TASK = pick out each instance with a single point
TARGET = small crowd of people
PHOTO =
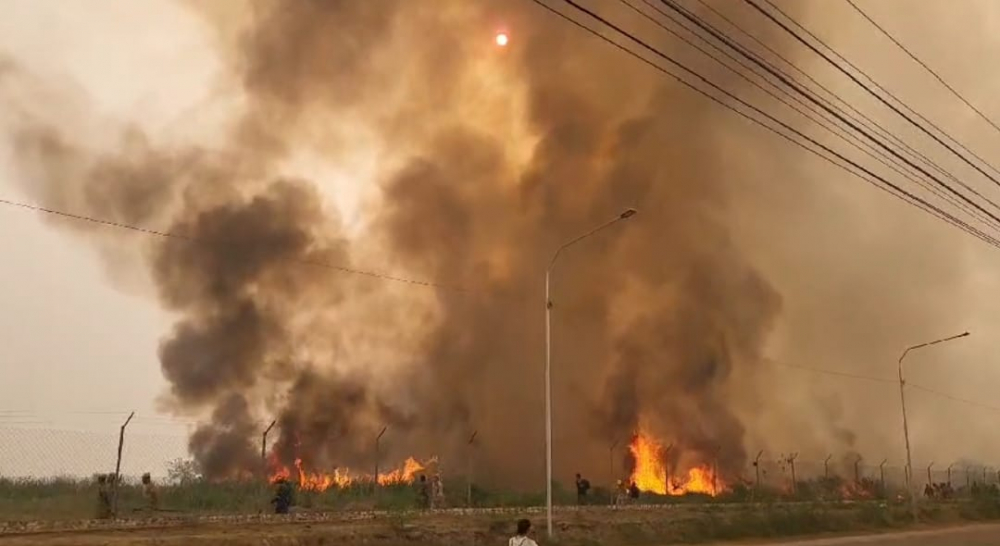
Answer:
(106, 492)
(430, 495)
(625, 491)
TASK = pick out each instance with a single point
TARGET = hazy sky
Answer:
(79, 351)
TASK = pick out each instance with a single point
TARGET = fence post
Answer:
(118, 464)
(263, 462)
(791, 463)
(666, 468)
(984, 475)
(263, 446)
(968, 478)
(826, 467)
(756, 467)
(715, 471)
(378, 456)
(857, 471)
(930, 479)
(949, 473)
(881, 474)
(611, 471)
(472, 446)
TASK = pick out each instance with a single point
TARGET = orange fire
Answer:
(341, 478)
(650, 471)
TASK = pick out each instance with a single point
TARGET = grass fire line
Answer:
(319, 481)
(650, 471)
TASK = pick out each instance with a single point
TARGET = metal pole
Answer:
(263, 444)
(857, 471)
(881, 474)
(548, 405)
(826, 466)
(949, 473)
(468, 485)
(666, 468)
(715, 471)
(263, 460)
(611, 471)
(906, 430)
(548, 363)
(756, 466)
(378, 456)
(791, 463)
(930, 480)
(118, 464)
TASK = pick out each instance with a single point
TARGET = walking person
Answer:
(582, 488)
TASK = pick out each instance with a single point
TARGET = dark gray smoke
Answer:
(490, 160)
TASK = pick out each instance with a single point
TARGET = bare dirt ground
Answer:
(635, 526)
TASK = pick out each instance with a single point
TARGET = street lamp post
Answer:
(548, 361)
(906, 429)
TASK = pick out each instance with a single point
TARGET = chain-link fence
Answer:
(54, 474)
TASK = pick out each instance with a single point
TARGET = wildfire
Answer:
(342, 477)
(650, 471)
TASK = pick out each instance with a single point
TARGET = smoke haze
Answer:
(485, 161)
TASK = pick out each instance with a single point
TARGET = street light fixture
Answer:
(906, 428)
(625, 215)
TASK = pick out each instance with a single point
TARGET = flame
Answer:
(649, 474)
(341, 477)
(650, 471)
(406, 474)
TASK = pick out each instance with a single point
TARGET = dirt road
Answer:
(972, 535)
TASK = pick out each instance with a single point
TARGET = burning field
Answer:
(654, 471)
(357, 242)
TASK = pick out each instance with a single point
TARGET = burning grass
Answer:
(652, 474)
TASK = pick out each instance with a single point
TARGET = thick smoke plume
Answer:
(487, 160)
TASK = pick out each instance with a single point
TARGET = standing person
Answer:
(582, 487)
(437, 492)
(282, 500)
(103, 497)
(149, 493)
(522, 538)
(633, 492)
(423, 492)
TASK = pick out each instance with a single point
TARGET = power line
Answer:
(885, 133)
(885, 380)
(832, 372)
(923, 64)
(869, 176)
(187, 238)
(798, 89)
(878, 97)
(870, 150)
(718, 101)
(953, 397)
